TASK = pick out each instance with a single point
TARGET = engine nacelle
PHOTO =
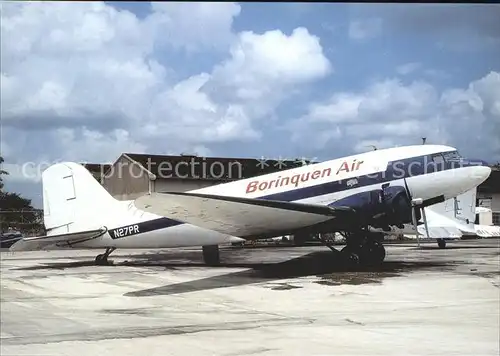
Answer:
(381, 208)
(398, 206)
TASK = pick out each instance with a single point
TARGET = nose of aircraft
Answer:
(474, 162)
(462, 177)
(466, 178)
(479, 174)
(479, 170)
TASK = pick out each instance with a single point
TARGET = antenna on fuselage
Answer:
(372, 146)
(423, 140)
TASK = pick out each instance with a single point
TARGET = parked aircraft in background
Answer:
(483, 226)
(7, 239)
(359, 196)
(454, 219)
(448, 220)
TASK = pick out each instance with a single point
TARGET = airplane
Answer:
(483, 226)
(10, 237)
(359, 196)
(453, 219)
(448, 220)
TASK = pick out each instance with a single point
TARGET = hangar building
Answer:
(97, 170)
(134, 174)
(488, 194)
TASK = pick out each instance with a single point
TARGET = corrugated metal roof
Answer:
(97, 167)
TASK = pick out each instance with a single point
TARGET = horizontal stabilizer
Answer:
(235, 216)
(487, 230)
(40, 242)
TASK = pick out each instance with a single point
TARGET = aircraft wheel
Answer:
(374, 252)
(351, 255)
(371, 253)
(354, 259)
(101, 260)
(441, 243)
(211, 255)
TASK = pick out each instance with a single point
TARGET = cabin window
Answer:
(437, 164)
(453, 156)
(438, 159)
(414, 166)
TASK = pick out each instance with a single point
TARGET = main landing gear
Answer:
(102, 259)
(363, 248)
(369, 253)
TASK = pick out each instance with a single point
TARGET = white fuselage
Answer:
(341, 178)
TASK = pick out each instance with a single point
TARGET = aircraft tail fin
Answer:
(73, 200)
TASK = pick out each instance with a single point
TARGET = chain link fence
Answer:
(27, 221)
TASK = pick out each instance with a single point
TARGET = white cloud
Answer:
(276, 57)
(368, 145)
(265, 68)
(437, 73)
(363, 29)
(23, 172)
(390, 113)
(87, 81)
(382, 102)
(64, 144)
(98, 147)
(195, 26)
(261, 71)
(408, 68)
(472, 115)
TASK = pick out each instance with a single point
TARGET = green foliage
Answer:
(15, 211)
(2, 172)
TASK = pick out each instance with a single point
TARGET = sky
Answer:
(87, 81)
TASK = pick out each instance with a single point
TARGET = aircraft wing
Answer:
(40, 242)
(441, 227)
(241, 217)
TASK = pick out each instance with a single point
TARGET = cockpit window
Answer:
(453, 156)
(438, 159)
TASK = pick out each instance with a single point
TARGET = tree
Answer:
(2, 172)
(16, 211)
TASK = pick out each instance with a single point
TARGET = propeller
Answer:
(424, 217)
(417, 203)
(414, 219)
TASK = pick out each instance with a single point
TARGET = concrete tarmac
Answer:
(262, 301)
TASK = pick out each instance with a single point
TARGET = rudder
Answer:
(73, 200)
